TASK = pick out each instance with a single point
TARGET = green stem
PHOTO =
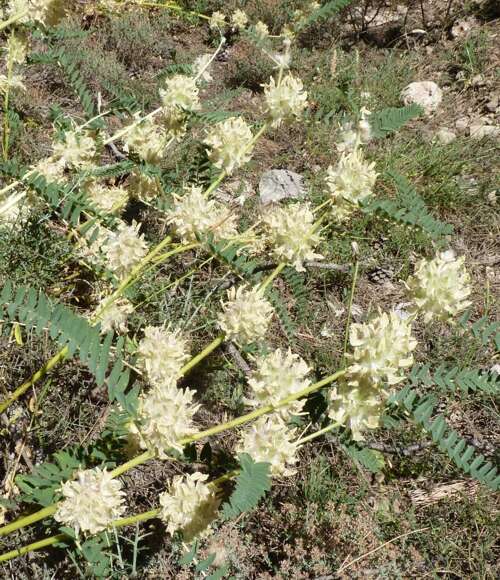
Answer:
(203, 354)
(6, 127)
(14, 18)
(28, 520)
(349, 310)
(272, 276)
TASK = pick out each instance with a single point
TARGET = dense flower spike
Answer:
(115, 316)
(217, 20)
(350, 183)
(246, 315)
(354, 135)
(194, 214)
(14, 83)
(162, 353)
(16, 47)
(144, 187)
(51, 170)
(381, 348)
(180, 92)
(239, 20)
(166, 416)
(47, 12)
(107, 199)
(357, 406)
(277, 376)
(77, 151)
(261, 30)
(291, 232)
(125, 248)
(269, 440)
(229, 144)
(91, 502)
(146, 139)
(285, 100)
(189, 506)
(439, 288)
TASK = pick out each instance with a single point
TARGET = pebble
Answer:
(278, 184)
(445, 135)
(427, 94)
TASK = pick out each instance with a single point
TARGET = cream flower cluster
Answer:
(239, 20)
(146, 139)
(381, 348)
(162, 354)
(78, 150)
(115, 316)
(166, 416)
(353, 136)
(261, 30)
(180, 92)
(47, 12)
(277, 376)
(245, 316)
(125, 248)
(91, 502)
(14, 83)
(144, 187)
(194, 214)
(217, 20)
(285, 100)
(440, 287)
(269, 440)
(107, 199)
(52, 170)
(291, 233)
(189, 506)
(229, 144)
(350, 183)
(16, 48)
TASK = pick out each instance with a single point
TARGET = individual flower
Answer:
(77, 150)
(107, 199)
(201, 67)
(125, 248)
(269, 440)
(245, 315)
(291, 232)
(144, 187)
(277, 376)
(115, 316)
(194, 214)
(146, 139)
(189, 506)
(239, 19)
(217, 20)
(230, 144)
(261, 30)
(440, 287)
(358, 407)
(180, 92)
(350, 183)
(162, 354)
(91, 502)
(166, 416)
(46, 12)
(381, 348)
(285, 100)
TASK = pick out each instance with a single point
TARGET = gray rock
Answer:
(479, 130)
(445, 136)
(278, 184)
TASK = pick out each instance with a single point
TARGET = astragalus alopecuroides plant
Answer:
(163, 418)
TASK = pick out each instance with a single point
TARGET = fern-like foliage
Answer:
(289, 326)
(38, 313)
(389, 120)
(408, 208)
(456, 379)
(230, 254)
(296, 282)
(252, 483)
(421, 408)
(482, 329)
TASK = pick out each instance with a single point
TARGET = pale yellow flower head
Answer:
(125, 248)
(217, 20)
(229, 144)
(239, 19)
(261, 30)
(290, 232)
(91, 502)
(107, 199)
(350, 183)
(245, 316)
(46, 12)
(115, 316)
(146, 139)
(14, 83)
(52, 170)
(277, 376)
(285, 101)
(269, 440)
(440, 287)
(180, 92)
(193, 214)
(189, 506)
(162, 354)
(144, 187)
(166, 416)
(78, 150)
(16, 47)
(381, 348)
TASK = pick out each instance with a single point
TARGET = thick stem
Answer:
(6, 126)
(349, 309)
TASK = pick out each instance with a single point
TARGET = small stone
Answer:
(478, 131)
(427, 94)
(445, 136)
(492, 104)
(278, 184)
(462, 124)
